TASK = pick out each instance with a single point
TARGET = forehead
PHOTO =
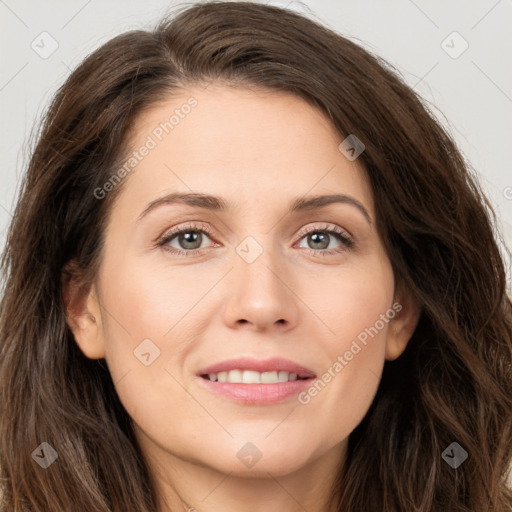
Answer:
(251, 146)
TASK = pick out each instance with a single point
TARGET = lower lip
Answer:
(257, 394)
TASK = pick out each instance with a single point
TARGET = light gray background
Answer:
(472, 92)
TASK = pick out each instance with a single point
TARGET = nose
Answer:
(260, 295)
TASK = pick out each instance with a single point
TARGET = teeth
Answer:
(252, 377)
(282, 376)
(247, 377)
(268, 377)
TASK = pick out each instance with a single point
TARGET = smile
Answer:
(252, 377)
(256, 382)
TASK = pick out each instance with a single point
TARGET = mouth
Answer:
(256, 382)
(239, 376)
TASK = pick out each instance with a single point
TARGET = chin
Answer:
(258, 458)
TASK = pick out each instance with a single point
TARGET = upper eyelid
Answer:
(325, 227)
(170, 234)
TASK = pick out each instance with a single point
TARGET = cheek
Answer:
(342, 394)
(155, 314)
(357, 314)
(351, 301)
(150, 302)
(165, 413)
(149, 325)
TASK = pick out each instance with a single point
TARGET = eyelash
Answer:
(341, 234)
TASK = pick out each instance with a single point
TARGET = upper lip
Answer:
(259, 365)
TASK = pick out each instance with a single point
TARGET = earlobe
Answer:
(82, 313)
(402, 326)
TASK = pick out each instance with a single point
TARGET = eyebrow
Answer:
(219, 204)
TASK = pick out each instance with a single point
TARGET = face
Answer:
(252, 324)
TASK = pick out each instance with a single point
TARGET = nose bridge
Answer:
(259, 263)
(259, 289)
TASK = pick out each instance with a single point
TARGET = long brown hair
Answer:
(453, 383)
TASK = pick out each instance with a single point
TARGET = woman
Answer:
(249, 271)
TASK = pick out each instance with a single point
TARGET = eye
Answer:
(189, 240)
(319, 239)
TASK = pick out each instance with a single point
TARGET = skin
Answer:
(259, 150)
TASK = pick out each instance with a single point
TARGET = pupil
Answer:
(320, 238)
(190, 238)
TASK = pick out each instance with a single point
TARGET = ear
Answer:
(82, 312)
(403, 324)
